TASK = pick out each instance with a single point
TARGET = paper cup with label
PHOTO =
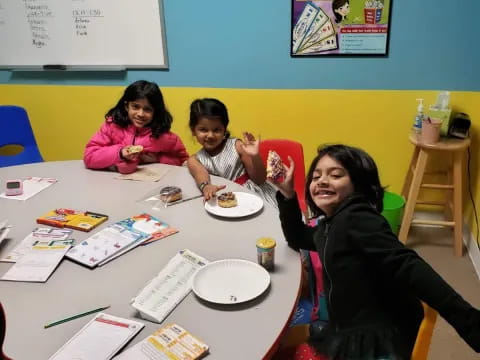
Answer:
(266, 252)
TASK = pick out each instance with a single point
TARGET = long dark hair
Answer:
(142, 89)
(208, 108)
(361, 168)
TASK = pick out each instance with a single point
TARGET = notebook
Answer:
(165, 291)
(101, 338)
(73, 219)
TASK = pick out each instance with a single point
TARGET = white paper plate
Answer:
(230, 281)
(247, 204)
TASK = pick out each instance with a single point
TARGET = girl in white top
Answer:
(224, 156)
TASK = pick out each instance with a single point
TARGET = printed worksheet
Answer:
(171, 342)
(160, 296)
(39, 262)
(38, 236)
(100, 339)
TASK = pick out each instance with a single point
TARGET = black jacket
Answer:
(373, 284)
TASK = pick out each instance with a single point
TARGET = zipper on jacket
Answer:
(325, 234)
(135, 136)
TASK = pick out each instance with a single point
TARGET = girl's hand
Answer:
(250, 145)
(286, 186)
(210, 191)
(126, 154)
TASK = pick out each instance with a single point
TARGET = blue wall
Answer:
(245, 44)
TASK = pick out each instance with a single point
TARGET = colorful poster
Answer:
(340, 27)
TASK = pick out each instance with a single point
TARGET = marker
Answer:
(75, 317)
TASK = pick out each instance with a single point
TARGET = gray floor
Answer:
(435, 245)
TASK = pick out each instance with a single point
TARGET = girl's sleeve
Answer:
(297, 233)
(101, 152)
(176, 154)
(371, 234)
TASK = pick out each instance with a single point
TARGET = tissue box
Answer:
(443, 115)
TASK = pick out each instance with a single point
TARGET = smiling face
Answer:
(344, 9)
(331, 184)
(140, 112)
(210, 133)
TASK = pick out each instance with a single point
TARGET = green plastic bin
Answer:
(393, 205)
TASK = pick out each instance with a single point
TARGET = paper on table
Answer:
(160, 296)
(144, 174)
(171, 341)
(31, 186)
(41, 235)
(39, 263)
(101, 338)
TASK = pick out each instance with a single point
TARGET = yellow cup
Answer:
(266, 252)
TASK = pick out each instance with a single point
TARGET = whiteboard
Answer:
(82, 34)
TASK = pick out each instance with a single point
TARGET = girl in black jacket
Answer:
(373, 283)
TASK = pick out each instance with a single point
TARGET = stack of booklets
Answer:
(101, 338)
(119, 238)
(73, 219)
(171, 342)
(4, 230)
(165, 291)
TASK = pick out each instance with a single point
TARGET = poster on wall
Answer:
(340, 27)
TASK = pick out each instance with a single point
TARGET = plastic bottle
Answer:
(417, 125)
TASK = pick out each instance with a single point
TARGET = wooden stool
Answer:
(413, 183)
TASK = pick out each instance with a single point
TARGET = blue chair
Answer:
(15, 129)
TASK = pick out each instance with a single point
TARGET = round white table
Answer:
(242, 331)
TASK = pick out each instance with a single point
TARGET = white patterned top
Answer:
(228, 165)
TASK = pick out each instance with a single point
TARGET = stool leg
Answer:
(457, 202)
(413, 195)
(448, 210)
(411, 168)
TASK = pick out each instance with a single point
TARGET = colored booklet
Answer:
(169, 342)
(101, 338)
(73, 219)
(119, 238)
(165, 291)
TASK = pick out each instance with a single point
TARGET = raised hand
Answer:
(286, 186)
(250, 145)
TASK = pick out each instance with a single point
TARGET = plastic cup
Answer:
(431, 131)
(266, 252)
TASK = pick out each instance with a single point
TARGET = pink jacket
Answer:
(103, 149)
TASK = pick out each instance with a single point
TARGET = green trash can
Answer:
(393, 205)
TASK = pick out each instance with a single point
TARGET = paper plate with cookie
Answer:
(234, 204)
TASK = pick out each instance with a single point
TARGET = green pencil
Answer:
(75, 317)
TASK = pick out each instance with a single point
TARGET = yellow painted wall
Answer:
(64, 118)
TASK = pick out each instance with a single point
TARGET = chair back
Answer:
(286, 148)
(15, 129)
(425, 332)
(3, 328)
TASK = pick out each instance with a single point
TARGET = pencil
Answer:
(75, 317)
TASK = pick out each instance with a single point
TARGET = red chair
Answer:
(286, 148)
(3, 328)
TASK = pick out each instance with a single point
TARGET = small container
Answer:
(266, 252)
(431, 131)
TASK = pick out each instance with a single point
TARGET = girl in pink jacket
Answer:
(136, 131)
